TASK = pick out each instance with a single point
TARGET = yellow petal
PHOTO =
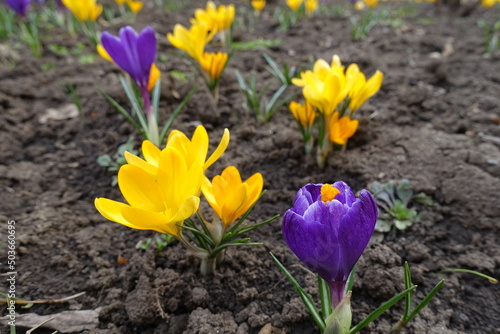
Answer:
(103, 53)
(151, 153)
(135, 6)
(221, 148)
(140, 189)
(371, 87)
(134, 160)
(187, 209)
(154, 75)
(111, 210)
(146, 220)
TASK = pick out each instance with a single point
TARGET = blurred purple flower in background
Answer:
(19, 6)
(135, 54)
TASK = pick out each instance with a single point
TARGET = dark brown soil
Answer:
(435, 122)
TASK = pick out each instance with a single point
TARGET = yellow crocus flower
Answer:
(213, 64)
(311, 6)
(340, 130)
(154, 74)
(294, 4)
(194, 149)
(192, 41)
(215, 19)
(135, 6)
(258, 5)
(371, 3)
(84, 10)
(324, 88)
(304, 114)
(363, 89)
(229, 196)
(159, 204)
(489, 3)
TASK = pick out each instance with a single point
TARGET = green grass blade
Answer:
(251, 227)
(136, 107)
(324, 297)
(156, 98)
(424, 302)
(384, 307)
(408, 284)
(350, 280)
(492, 280)
(306, 298)
(122, 111)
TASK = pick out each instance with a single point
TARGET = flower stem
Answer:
(208, 265)
(337, 292)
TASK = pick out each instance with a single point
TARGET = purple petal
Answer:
(116, 51)
(356, 229)
(128, 38)
(19, 6)
(146, 45)
(314, 243)
(346, 196)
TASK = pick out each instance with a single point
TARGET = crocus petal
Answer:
(314, 243)
(103, 53)
(140, 189)
(221, 148)
(111, 210)
(151, 153)
(116, 51)
(130, 57)
(154, 75)
(146, 43)
(346, 195)
(187, 209)
(147, 220)
(134, 160)
(356, 228)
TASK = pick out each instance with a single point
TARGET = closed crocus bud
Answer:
(328, 229)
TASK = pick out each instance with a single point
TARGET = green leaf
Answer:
(402, 224)
(382, 226)
(384, 307)
(404, 191)
(425, 301)
(122, 111)
(324, 297)
(408, 284)
(492, 280)
(424, 199)
(306, 298)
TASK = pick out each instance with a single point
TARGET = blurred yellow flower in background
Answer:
(84, 10)
(304, 114)
(294, 4)
(192, 41)
(214, 18)
(213, 64)
(311, 6)
(258, 5)
(341, 129)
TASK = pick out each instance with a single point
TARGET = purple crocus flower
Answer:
(328, 229)
(19, 6)
(135, 54)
